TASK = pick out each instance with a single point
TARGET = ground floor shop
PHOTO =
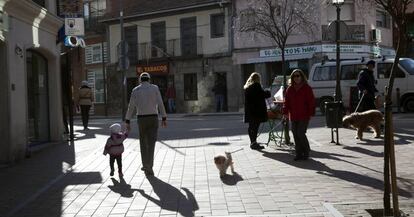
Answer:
(193, 80)
(30, 90)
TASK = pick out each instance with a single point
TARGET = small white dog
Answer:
(223, 162)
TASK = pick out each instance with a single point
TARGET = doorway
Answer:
(220, 88)
(37, 98)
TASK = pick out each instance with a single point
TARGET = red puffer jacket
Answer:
(299, 104)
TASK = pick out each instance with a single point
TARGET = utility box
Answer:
(333, 114)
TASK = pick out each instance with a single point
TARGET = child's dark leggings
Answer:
(118, 159)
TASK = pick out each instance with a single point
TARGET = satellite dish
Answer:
(343, 31)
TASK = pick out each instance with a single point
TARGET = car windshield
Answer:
(408, 65)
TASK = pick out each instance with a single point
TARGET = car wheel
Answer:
(409, 104)
(322, 104)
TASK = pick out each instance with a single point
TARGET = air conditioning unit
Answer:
(376, 35)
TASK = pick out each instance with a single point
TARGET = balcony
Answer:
(171, 48)
(92, 23)
(349, 33)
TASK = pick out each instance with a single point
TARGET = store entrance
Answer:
(37, 98)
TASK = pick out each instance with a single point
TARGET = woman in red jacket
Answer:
(299, 106)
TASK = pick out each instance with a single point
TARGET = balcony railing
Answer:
(172, 48)
(351, 33)
(92, 23)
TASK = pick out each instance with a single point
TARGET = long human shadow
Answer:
(170, 198)
(321, 168)
(122, 188)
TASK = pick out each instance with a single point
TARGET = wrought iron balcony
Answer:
(351, 33)
(92, 23)
(171, 48)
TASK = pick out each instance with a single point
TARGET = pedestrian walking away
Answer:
(366, 87)
(219, 90)
(114, 147)
(299, 107)
(255, 111)
(84, 101)
(170, 94)
(147, 101)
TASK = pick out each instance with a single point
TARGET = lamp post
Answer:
(338, 94)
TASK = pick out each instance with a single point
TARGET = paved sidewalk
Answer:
(266, 183)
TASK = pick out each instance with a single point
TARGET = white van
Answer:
(322, 78)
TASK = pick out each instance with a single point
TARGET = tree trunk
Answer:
(286, 123)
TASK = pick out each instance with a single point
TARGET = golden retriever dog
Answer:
(361, 120)
(223, 162)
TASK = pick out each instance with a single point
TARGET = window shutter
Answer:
(88, 55)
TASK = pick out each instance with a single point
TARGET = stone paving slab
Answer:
(266, 183)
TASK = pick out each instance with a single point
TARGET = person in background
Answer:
(299, 107)
(85, 100)
(147, 101)
(255, 111)
(114, 147)
(366, 87)
(170, 94)
(219, 90)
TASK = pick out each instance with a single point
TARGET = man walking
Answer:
(146, 99)
(366, 86)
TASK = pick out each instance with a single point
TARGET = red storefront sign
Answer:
(156, 69)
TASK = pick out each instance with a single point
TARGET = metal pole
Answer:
(121, 22)
(338, 94)
(69, 93)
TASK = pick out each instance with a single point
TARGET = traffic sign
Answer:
(74, 26)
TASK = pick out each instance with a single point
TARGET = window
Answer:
(188, 31)
(158, 39)
(96, 82)
(190, 86)
(384, 71)
(93, 53)
(383, 19)
(131, 37)
(217, 25)
(408, 65)
(350, 72)
(325, 73)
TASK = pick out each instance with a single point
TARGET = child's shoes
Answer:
(120, 174)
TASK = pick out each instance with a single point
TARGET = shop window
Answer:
(217, 25)
(190, 87)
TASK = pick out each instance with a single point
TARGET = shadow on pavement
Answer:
(122, 188)
(170, 198)
(231, 179)
(321, 168)
(364, 151)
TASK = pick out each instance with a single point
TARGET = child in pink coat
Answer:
(115, 147)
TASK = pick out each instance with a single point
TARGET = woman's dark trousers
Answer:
(301, 141)
(253, 129)
(85, 115)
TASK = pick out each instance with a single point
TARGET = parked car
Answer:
(322, 78)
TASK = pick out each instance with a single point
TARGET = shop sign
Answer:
(344, 48)
(153, 69)
(290, 51)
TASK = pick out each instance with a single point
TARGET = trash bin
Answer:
(334, 114)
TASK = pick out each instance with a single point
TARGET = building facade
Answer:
(31, 106)
(365, 32)
(185, 44)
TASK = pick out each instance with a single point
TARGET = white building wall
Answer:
(172, 23)
(31, 27)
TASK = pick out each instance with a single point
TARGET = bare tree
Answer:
(398, 10)
(277, 20)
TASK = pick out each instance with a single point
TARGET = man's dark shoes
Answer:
(301, 157)
(149, 173)
(111, 173)
(256, 146)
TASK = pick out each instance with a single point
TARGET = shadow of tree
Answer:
(170, 198)
(232, 179)
(321, 168)
(122, 188)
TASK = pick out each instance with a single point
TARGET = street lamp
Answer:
(338, 4)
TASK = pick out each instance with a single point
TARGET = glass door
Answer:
(37, 98)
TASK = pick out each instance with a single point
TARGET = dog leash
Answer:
(359, 103)
(236, 150)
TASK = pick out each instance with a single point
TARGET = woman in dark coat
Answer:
(255, 110)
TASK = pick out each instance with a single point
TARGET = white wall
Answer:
(172, 23)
